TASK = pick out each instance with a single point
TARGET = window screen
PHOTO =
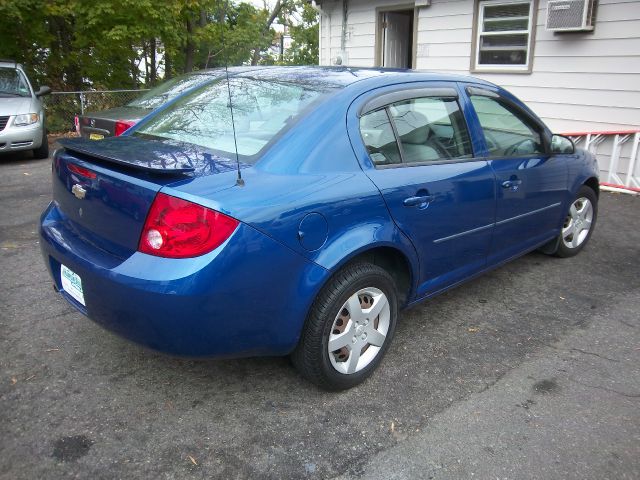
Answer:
(504, 33)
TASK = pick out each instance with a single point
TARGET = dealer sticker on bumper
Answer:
(71, 283)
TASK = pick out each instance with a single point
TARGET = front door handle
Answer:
(512, 184)
(420, 201)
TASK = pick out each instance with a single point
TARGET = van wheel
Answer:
(43, 150)
(349, 328)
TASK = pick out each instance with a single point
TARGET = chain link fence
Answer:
(62, 107)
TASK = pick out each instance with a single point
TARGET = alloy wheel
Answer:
(359, 330)
(578, 223)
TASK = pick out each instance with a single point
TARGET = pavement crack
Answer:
(594, 354)
(61, 314)
(548, 345)
(611, 390)
(626, 323)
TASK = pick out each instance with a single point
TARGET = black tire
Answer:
(311, 356)
(43, 150)
(564, 249)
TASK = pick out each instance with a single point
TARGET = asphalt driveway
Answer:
(532, 371)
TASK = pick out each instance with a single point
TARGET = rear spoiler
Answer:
(140, 154)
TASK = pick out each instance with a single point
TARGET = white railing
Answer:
(617, 153)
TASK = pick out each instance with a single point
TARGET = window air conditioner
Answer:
(570, 15)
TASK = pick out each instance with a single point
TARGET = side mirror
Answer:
(562, 144)
(43, 91)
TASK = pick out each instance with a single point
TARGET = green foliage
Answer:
(305, 35)
(80, 44)
(242, 32)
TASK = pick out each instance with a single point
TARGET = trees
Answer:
(305, 35)
(76, 44)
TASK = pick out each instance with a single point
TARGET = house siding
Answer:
(579, 81)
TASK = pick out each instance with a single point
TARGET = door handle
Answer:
(420, 201)
(511, 184)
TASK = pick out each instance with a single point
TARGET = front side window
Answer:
(503, 40)
(261, 110)
(507, 132)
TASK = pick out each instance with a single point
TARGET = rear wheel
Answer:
(579, 223)
(349, 328)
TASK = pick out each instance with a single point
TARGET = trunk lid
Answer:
(105, 189)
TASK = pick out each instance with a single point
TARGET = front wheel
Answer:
(579, 223)
(349, 328)
(43, 150)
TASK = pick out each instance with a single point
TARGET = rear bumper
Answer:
(13, 139)
(250, 296)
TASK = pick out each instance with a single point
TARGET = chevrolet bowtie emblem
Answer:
(78, 191)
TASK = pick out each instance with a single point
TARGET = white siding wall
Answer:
(361, 31)
(580, 81)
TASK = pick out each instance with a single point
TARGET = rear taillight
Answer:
(76, 122)
(83, 172)
(122, 126)
(176, 228)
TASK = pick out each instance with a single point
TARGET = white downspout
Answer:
(343, 34)
(323, 15)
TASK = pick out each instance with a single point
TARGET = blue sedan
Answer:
(295, 211)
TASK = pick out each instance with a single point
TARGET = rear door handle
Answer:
(421, 201)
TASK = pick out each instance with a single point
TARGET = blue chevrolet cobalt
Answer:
(295, 211)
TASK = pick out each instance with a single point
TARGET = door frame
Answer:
(379, 31)
(508, 101)
(424, 286)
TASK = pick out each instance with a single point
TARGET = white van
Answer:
(21, 112)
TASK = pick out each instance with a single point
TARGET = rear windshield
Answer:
(168, 90)
(261, 110)
(13, 83)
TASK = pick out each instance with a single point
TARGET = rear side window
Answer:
(431, 129)
(379, 139)
(507, 132)
(428, 129)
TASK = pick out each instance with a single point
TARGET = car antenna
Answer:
(239, 180)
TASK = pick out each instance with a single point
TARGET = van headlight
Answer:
(25, 119)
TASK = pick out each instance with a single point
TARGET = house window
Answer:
(504, 31)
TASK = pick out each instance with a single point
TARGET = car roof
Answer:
(338, 76)
(343, 76)
(10, 64)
